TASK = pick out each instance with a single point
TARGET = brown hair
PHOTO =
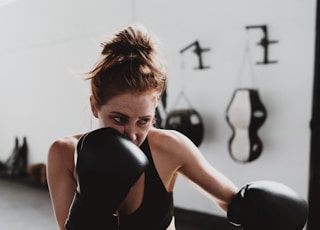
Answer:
(130, 62)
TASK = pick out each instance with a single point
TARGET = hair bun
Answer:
(133, 43)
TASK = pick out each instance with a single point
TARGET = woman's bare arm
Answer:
(201, 173)
(60, 175)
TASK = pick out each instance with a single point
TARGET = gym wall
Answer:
(46, 45)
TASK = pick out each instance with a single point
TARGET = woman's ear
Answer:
(93, 107)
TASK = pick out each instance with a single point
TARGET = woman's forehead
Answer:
(128, 103)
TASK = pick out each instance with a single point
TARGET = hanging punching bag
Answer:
(188, 122)
(245, 115)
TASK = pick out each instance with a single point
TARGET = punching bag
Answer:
(245, 115)
(188, 122)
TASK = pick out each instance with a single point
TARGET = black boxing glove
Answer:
(108, 165)
(267, 205)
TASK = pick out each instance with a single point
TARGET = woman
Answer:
(127, 84)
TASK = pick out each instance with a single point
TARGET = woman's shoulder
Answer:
(64, 143)
(171, 149)
(63, 148)
(61, 162)
(169, 141)
(170, 135)
(165, 136)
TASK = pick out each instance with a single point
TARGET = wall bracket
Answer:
(198, 51)
(265, 42)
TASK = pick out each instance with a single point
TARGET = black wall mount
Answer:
(265, 42)
(198, 51)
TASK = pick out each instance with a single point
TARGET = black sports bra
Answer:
(156, 210)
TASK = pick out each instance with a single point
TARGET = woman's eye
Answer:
(119, 120)
(144, 121)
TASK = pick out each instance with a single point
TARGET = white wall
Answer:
(44, 44)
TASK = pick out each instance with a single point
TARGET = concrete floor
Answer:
(25, 207)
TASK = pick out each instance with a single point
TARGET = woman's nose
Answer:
(130, 133)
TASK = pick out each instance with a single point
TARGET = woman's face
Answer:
(131, 114)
